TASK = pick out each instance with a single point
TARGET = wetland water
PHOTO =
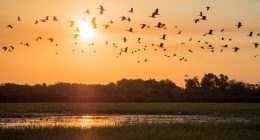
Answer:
(89, 121)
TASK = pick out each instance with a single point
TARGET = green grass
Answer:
(22, 109)
(183, 131)
(186, 131)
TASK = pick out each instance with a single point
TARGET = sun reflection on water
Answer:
(90, 121)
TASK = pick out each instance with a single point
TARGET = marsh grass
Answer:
(30, 109)
(145, 131)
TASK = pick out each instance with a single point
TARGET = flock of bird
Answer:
(160, 25)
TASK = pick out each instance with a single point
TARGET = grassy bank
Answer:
(186, 131)
(19, 110)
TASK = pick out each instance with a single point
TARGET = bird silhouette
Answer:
(72, 23)
(144, 25)
(239, 25)
(106, 26)
(131, 30)
(139, 39)
(101, 8)
(250, 34)
(11, 47)
(51, 40)
(38, 38)
(209, 33)
(87, 12)
(124, 39)
(204, 18)
(161, 45)
(75, 36)
(155, 13)
(236, 49)
(111, 22)
(4, 48)
(196, 20)
(10, 26)
(27, 44)
(201, 14)
(131, 10)
(225, 46)
(164, 37)
(126, 50)
(207, 8)
(123, 18)
(18, 19)
(55, 19)
(256, 45)
(93, 22)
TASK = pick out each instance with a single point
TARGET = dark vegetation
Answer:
(210, 88)
(21, 110)
(179, 131)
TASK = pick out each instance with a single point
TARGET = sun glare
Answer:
(87, 32)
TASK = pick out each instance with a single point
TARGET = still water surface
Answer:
(89, 121)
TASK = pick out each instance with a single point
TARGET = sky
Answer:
(44, 62)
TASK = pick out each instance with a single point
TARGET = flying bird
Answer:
(106, 26)
(27, 44)
(196, 20)
(101, 8)
(4, 48)
(38, 38)
(18, 19)
(10, 26)
(55, 19)
(250, 34)
(51, 40)
(93, 22)
(164, 37)
(239, 25)
(131, 30)
(131, 10)
(75, 36)
(144, 25)
(124, 39)
(161, 45)
(256, 45)
(207, 8)
(236, 49)
(71, 23)
(87, 12)
(155, 13)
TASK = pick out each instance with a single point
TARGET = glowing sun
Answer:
(87, 32)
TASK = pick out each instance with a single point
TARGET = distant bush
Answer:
(210, 88)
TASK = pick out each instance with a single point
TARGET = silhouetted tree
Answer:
(137, 90)
(210, 82)
(192, 84)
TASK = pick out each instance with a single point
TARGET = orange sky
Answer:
(39, 63)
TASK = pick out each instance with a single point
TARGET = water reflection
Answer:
(89, 121)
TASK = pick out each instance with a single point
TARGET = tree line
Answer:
(211, 88)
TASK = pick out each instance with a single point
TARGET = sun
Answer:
(86, 31)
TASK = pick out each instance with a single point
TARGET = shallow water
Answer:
(89, 121)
